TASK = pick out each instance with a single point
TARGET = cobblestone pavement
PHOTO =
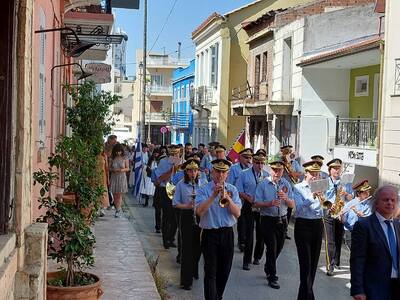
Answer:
(120, 261)
(242, 284)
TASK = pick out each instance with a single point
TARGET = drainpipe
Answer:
(380, 108)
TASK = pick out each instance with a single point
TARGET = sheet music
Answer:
(319, 185)
(346, 178)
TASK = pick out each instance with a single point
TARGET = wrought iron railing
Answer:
(103, 8)
(256, 92)
(160, 89)
(166, 61)
(180, 119)
(202, 96)
(356, 132)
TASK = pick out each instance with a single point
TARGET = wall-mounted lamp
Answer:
(83, 75)
(78, 48)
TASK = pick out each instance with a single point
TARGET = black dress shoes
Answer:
(274, 284)
(256, 261)
(246, 267)
(187, 287)
(172, 245)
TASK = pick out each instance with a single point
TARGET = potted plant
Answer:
(75, 160)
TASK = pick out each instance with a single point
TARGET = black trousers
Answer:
(158, 194)
(395, 289)
(177, 213)
(274, 231)
(308, 239)
(190, 247)
(168, 218)
(241, 231)
(339, 235)
(259, 248)
(217, 247)
(333, 241)
(248, 228)
(288, 215)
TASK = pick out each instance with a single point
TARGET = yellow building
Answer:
(233, 52)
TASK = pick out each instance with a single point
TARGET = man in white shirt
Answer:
(375, 247)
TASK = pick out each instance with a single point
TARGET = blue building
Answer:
(181, 113)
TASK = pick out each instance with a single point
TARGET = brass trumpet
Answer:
(223, 200)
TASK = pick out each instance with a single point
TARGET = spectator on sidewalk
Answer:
(146, 186)
(375, 244)
(118, 182)
(104, 179)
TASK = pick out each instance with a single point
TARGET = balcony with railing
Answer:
(360, 133)
(249, 100)
(202, 98)
(180, 120)
(162, 90)
(92, 24)
(166, 62)
(158, 117)
(356, 141)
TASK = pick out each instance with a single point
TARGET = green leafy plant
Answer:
(71, 240)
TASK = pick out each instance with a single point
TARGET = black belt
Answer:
(275, 217)
(221, 229)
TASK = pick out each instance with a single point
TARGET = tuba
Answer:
(289, 169)
(170, 188)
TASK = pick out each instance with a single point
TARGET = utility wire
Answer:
(162, 28)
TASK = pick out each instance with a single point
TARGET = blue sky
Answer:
(186, 16)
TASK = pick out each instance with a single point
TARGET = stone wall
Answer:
(23, 251)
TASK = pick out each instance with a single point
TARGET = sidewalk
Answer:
(120, 261)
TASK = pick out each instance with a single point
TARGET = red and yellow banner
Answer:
(237, 146)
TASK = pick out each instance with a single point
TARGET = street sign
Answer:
(101, 72)
(163, 129)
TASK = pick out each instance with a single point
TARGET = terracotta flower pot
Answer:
(69, 197)
(86, 292)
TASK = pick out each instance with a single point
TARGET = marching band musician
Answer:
(179, 175)
(357, 208)
(243, 164)
(273, 197)
(334, 227)
(220, 152)
(164, 171)
(205, 164)
(308, 229)
(184, 197)
(259, 247)
(292, 172)
(246, 185)
(218, 205)
(322, 175)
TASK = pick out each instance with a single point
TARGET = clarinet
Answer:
(278, 189)
(193, 195)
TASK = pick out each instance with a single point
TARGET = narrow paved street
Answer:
(242, 284)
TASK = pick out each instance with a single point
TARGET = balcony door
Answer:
(376, 96)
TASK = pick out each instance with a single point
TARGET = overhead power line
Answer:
(162, 28)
